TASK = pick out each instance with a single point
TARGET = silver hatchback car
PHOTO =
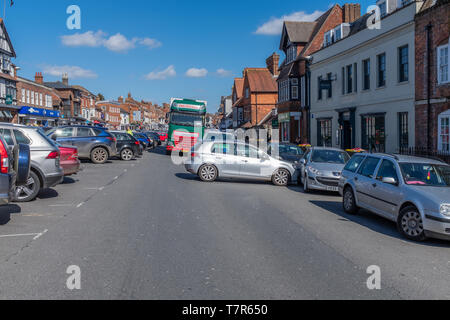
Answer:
(212, 160)
(413, 192)
(321, 168)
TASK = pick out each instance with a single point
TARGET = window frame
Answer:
(402, 70)
(361, 166)
(438, 64)
(442, 116)
(380, 71)
(366, 76)
(349, 78)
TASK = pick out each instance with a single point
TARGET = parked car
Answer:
(69, 159)
(163, 136)
(14, 169)
(212, 160)
(286, 151)
(143, 139)
(46, 171)
(321, 167)
(155, 137)
(128, 147)
(410, 191)
(94, 143)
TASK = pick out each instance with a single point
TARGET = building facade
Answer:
(432, 76)
(299, 40)
(363, 85)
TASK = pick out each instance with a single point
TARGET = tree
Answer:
(101, 97)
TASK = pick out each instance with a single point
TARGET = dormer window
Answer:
(328, 38)
(291, 54)
(383, 9)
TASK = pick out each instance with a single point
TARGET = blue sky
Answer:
(154, 49)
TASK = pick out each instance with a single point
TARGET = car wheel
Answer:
(305, 184)
(349, 202)
(410, 224)
(126, 154)
(168, 153)
(208, 173)
(281, 178)
(99, 155)
(29, 191)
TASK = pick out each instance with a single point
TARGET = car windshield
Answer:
(330, 156)
(289, 149)
(183, 119)
(423, 174)
(46, 138)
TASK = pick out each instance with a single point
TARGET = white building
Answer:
(368, 97)
(8, 89)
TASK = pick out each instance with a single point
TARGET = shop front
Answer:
(284, 125)
(31, 116)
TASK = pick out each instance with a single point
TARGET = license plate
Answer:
(332, 189)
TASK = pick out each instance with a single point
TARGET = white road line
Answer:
(78, 206)
(19, 235)
(101, 189)
(60, 205)
(40, 234)
(116, 177)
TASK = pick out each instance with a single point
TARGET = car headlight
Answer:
(313, 170)
(445, 210)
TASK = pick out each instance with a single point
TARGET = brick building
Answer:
(87, 103)
(112, 113)
(259, 95)
(432, 75)
(299, 40)
(38, 103)
(71, 100)
(236, 98)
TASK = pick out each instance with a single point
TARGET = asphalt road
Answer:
(148, 230)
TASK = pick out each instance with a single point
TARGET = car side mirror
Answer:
(390, 180)
(303, 161)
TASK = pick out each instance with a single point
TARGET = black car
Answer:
(286, 151)
(155, 137)
(128, 147)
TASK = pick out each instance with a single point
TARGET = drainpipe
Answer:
(428, 31)
(308, 61)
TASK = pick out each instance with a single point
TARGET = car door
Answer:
(386, 196)
(253, 165)
(225, 159)
(364, 180)
(83, 140)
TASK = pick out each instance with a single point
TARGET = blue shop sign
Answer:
(39, 112)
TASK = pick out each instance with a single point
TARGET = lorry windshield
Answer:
(184, 119)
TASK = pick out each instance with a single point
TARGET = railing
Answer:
(426, 153)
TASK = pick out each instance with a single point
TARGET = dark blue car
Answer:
(143, 139)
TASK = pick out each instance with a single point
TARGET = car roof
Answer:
(326, 148)
(15, 125)
(406, 158)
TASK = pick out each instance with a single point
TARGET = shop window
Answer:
(324, 128)
(403, 133)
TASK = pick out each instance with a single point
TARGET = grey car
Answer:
(413, 192)
(320, 168)
(212, 160)
(94, 143)
(45, 171)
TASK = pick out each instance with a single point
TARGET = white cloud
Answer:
(119, 43)
(196, 73)
(275, 25)
(87, 39)
(223, 73)
(150, 43)
(162, 75)
(74, 72)
(116, 43)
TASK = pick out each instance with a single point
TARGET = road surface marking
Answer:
(40, 234)
(78, 206)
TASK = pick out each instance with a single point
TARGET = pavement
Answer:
(146, 229)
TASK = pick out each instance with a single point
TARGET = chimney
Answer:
(352, 12)
(272, 63)
(65, 79)
(120, 99)
(39, 78)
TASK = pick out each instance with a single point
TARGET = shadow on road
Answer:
(160, 150)
(68, 180)
(6, 211)
(373, 222)
(48, 194)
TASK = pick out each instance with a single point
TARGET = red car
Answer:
(69, 160)
(163, 136)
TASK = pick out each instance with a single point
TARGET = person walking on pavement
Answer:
(129, 131)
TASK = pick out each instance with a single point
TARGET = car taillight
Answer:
(111, 139)
(137, 143)
(193, 154)
(4, 162)
(53, 155)
(74, 156)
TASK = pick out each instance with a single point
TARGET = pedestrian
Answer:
(298, 141)
(129, 131)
